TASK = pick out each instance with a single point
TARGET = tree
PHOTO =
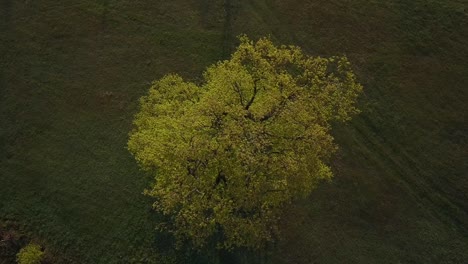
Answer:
(230, 153)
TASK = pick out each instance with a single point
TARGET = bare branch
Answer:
(255, 90)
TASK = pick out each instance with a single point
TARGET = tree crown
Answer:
(229, 153)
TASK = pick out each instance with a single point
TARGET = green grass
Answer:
(71, 73)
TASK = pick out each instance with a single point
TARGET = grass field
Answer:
(71, 73)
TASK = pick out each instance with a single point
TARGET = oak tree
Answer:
(229, 153)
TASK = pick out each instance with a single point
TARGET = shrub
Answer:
(30, 254)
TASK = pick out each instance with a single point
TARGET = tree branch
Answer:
(275, 110)
(255, 90)
(239, 91)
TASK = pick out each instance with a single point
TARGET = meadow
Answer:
(71, 73)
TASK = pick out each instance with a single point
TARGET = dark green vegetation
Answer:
(71, 73)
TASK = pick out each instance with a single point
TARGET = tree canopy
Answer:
(229, 153)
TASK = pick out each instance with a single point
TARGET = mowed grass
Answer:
(72, 72)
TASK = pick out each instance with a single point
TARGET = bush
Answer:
(30, 254)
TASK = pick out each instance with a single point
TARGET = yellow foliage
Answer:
(30, 254)
(229, 153)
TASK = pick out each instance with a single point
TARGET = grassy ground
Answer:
(71, 73)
